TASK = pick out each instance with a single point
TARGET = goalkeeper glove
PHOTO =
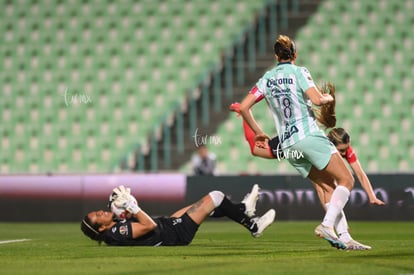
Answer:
(128, 203)
(118, 192)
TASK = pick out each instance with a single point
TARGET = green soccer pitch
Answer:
(219, 248)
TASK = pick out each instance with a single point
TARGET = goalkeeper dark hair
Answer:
(284, 48)
(91, 230)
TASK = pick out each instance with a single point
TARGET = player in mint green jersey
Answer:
(290, 91)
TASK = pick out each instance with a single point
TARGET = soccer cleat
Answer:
(354, 245)
(329, 235)
(250, 201)
(235, 107)
(263, 222)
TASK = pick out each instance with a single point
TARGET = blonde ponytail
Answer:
(325, 114)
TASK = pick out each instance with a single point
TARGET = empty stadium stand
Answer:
(94, 86)
(84, 82)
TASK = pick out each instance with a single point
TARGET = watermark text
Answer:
(76, 98)
(205, 139)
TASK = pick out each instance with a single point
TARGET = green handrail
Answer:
(205, 104)
(251, 48)
(217, 89)
(179, 130)
(154, 152)
(228, 75)
(240, 61)
(167, 146)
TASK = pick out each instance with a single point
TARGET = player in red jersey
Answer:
(342, 141)
(270, 149)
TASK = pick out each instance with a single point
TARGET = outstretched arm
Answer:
(247, 115)
(365, 183)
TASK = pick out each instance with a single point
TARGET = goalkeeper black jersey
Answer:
(169, 232)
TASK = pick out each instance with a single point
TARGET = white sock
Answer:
(217, 197)
(338, 200)
(342, 229)
(341, 226)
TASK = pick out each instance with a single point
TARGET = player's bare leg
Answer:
(340, 196)
(200, 210)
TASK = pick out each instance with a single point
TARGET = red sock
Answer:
(249, 135)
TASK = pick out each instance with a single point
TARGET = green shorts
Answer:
(314, 150)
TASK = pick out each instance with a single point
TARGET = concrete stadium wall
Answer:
(57, 198)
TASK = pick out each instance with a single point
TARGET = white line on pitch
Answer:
(14, 241)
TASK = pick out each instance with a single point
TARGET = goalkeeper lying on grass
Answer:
(128, 224)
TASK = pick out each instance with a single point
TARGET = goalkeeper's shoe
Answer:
(235, 107)
(250, 201)
(329, 234)
(354, 245)
(263, 222)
